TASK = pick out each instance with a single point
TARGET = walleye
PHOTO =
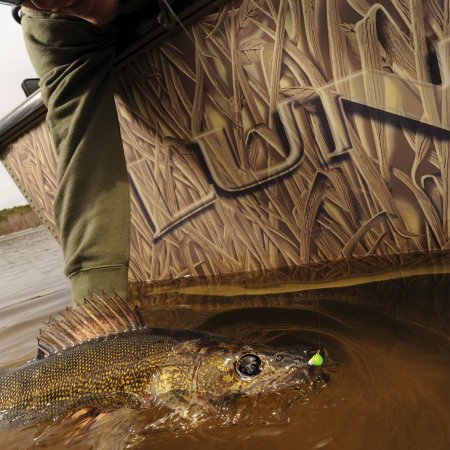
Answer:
(102, 355)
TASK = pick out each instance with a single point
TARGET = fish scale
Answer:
(102, 355)
(100, 371)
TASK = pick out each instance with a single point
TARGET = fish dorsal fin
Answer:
(98, 316)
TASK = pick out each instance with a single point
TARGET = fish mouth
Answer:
(288, 376)
(291, 369)
(291, 378)
(292, 359)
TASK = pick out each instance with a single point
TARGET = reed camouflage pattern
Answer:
(102, 355)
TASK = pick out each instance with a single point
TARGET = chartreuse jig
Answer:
(316, 360)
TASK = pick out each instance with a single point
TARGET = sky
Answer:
(14, 68)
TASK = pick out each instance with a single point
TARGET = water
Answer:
(388, 380)
(32, 286)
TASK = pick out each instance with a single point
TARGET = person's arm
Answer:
(97, 12)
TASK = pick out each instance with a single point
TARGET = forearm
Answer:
(97, 12)
(74, 61)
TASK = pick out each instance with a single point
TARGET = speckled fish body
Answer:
(102, 356)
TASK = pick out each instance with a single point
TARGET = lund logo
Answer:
(411, 99)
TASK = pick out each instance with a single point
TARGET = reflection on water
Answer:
(388, 368)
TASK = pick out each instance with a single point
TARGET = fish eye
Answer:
(248, 366)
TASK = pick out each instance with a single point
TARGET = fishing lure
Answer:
(316, 360)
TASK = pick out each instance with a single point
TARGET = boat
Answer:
(274, 143)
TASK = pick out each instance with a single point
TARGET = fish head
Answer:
(233, 369)
(217, 368)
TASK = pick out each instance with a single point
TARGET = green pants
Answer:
(74, 61)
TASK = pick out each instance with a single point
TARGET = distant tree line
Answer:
(17, 218)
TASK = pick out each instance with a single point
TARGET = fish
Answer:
(101, 355)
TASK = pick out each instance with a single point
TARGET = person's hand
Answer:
(97, 12)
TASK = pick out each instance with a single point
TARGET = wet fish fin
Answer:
(97, 317)
(84, 418)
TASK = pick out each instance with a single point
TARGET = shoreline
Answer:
(16, 219)
(5, 237)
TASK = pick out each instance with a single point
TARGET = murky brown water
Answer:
(389, 380)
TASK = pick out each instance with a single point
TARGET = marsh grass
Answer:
(16, 219)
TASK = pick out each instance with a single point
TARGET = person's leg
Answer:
(74, 61)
